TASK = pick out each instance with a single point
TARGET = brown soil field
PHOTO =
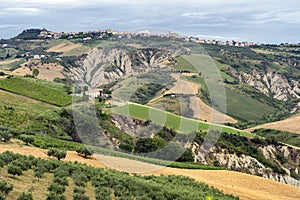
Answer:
(64, 47)
(47, 71)
(243, 185)
(291, 124)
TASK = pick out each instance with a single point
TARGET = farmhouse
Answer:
(95, 93)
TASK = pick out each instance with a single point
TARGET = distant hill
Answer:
(29, 34)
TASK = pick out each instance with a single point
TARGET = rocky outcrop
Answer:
(282, 179)
(247, 164)
(102, 66)
(272, 83)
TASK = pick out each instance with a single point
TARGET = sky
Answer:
(273, 21)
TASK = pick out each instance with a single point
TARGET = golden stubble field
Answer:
(201, 110)
(243, 185)
(291, 124)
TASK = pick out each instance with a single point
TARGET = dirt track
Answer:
(243, 185)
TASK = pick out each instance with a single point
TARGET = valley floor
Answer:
(243, 185)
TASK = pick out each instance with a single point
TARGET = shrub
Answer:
(61, 181)
(79, 190)
(103, 193)
(56, 188)
(80, 179)
(14, 170)
(84, 151)
(59, 154)
(54, 196)
(26, 139)
(77, 196)
(187, 156)
(38, 173)
(5, 136)
(5, 188)
(25, 196)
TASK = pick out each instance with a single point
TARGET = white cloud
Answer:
(218, 37)
(278, 16)
(5, 26)
(194, 14)
(20, 11)
(214, 25)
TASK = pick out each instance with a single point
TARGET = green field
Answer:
(24, 104)
(49, 84)
(186, 63)
(282, 136)
(180, 124)
(33, 89)
(183, 65)
(238, 106)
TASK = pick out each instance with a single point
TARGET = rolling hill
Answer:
(245, 186)
(158, 78)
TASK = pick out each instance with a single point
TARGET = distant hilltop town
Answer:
(100, 34)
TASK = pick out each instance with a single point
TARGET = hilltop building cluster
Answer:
(102, 34)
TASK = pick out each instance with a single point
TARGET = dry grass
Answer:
(47, 71)
(18, 147)
(69, 189)
(7, 62)
(243, 185)
(183, 87)
(201, 110)
(291, 124)
(68, 48)
(64, 47)
(206, 113)
(27, 182)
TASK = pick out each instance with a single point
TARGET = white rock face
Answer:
(103, 66)
(272, 83)
(250, 165)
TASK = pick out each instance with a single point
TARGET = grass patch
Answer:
(12, 118)
(172, 121)
(238, 106)
(184, 65)
(20, 103)
(282, 136)
(77, 51)
(12, 66)
(35, 90)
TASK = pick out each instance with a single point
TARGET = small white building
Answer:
(95, 93)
